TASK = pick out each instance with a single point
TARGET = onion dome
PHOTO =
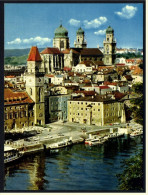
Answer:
(109, 30)
(61, 32)
(80, 31)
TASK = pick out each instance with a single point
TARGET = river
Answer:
(75, 168)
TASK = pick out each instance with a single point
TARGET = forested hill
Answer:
(18, 52)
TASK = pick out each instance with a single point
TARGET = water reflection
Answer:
(79, 167)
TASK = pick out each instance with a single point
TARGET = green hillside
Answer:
(17, 56)
(19, 60)
(18, 52)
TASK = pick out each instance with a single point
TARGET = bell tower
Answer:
(80, 42)
(35, 84)
(61, 39)
(109, 47)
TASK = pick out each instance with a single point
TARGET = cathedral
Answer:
(61, 56)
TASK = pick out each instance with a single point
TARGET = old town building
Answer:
(96, 110)
(18, 110)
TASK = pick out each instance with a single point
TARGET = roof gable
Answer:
(34, 55)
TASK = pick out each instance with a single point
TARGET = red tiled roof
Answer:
(119, 95)
(11, 97)
(104, 87)
(110, 83)
(66, 51)
(90, 51)
(49, 75)
(51, 50)
(137, 71)
(130, 60)
(11, 76)
(34, 55)
(67, 69)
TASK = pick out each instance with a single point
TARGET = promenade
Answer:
(59, 134)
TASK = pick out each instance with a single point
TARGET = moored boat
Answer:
(11, 154)
(136, 133)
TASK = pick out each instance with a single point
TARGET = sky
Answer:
(33, 24)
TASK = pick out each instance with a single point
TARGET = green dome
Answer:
(109, 30)
(61, 32)
(80, 31)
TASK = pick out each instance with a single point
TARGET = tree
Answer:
(132, 178)
(137, 104)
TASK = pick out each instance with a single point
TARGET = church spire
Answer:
(34, 55)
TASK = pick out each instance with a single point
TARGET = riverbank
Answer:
(59, 134)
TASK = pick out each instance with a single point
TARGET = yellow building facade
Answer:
(95, 111)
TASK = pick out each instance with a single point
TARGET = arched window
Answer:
(107, 49)
(62, 44)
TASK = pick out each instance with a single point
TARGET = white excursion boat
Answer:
(136, 133)
(11, 154)
(95, 141)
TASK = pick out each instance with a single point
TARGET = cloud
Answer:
(127, 12)
(16, 41)
(95, 23)
(74, 22)
(100, 32)
(36, 40)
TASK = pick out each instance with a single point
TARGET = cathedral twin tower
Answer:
(61, 41)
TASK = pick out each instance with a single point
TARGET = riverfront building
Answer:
(18, 110)
(58, 107)
(96, 110)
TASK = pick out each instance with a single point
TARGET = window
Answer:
(21, 114)
(6, 116)
(11, 116)
(16, 115)
(62, 44)
(98, 109)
